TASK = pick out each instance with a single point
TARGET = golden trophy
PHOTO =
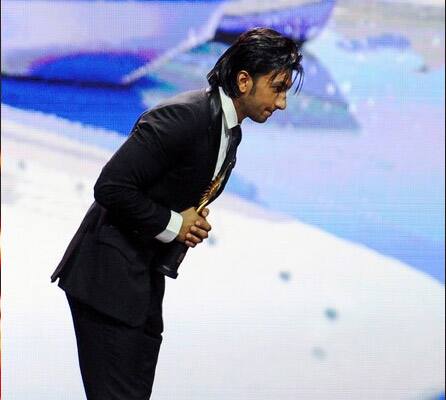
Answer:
(170, 261)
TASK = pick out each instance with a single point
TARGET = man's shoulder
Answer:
(191, 108)
(192, 98)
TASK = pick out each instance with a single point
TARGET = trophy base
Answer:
(165, 270)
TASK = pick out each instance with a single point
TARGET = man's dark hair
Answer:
(259, 51)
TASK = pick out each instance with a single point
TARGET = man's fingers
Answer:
(205, 212)
(199, 232)
(203, 224)
(192, 238)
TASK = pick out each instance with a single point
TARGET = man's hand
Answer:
(195, 228)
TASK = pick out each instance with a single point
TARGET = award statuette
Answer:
(171, 260)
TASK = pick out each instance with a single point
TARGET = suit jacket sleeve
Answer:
(157, 141)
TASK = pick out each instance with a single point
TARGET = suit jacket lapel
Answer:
(214, 135)
(214, 139)
(214, 131)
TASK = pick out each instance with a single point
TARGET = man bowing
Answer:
(146, 200)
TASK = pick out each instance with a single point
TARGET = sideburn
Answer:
(253, 90)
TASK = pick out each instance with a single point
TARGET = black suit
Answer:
(165, 164)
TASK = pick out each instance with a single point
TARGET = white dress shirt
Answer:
(229, 121)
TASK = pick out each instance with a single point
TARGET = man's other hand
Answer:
(195, 228)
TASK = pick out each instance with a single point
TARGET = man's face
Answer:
(265, 95)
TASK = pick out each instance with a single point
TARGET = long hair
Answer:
(258, 51)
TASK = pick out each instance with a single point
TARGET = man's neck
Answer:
(239, 110)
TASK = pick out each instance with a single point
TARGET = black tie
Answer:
(234, 141)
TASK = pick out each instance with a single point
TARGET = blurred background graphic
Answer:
(340, 198)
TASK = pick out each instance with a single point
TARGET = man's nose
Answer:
(281, 103)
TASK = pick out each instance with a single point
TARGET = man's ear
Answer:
(244, 82)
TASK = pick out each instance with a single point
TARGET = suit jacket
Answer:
(165, 164)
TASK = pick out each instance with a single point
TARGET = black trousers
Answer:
(117, 361)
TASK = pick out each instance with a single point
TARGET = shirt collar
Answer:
(228, 109)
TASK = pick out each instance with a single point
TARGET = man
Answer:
(146, 198)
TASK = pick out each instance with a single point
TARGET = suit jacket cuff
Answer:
(172, 229)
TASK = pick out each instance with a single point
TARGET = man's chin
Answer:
(259, 119)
